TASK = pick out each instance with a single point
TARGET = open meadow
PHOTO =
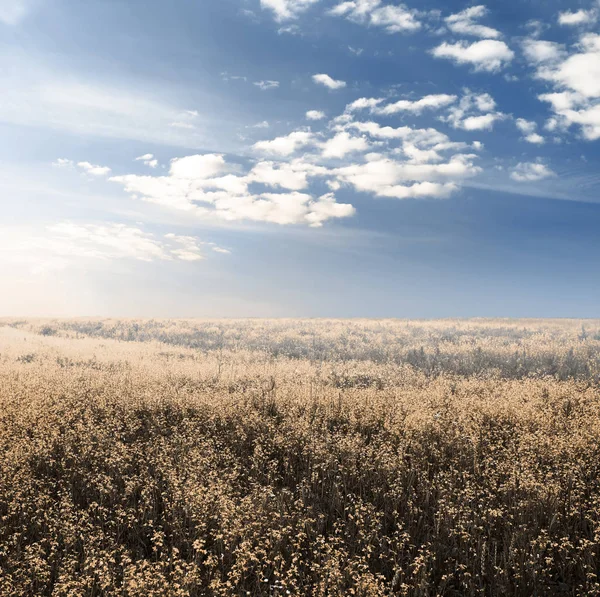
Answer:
(299, 457)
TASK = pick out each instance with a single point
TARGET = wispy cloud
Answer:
(329, 82)
(465, 23)
(266, 85)
(531, 172)
(12, 12)
(66, 244)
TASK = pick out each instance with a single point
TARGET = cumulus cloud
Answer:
(315, 115)
(343, 144)
(486, 55)
(329, 82)
(202, 186)
(148, 159)
(288, 175)
(474, 112)
(285, 10)
(286, 145)
(387, 177)
(575, 77)
(392, 18)
(364, 103)
(539, 51)
(429, 102)
(266, 85)
(93, 170)
(531, 172)
(465, 23)
(528, 128)
(579, 17)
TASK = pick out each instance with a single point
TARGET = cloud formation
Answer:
(531, 172)
(329, 82)
(528, 128)
(578, 17)
(486, 55)
(575, 79)
(148, 159)
(286, 10)
(474, 112)
(286, 145)
(392, 18)
(465, 23)
(266, 85)
(69, 243)
(315, 115)
(204, 186)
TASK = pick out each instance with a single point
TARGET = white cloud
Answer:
(343, 144)
(329, 82)
(528, 128)
(579, 17)
(464, 23)
(429, 102)
(393, 18)
(315, 115)
(148, 160)
(421, 138)
(363, 103)
(182, 125)
(64, 163)
(484, 122)
(576, 81)
(486, 55)
(266, 85)
(198, 166)
(536, 27)
(535, 138)
(93, 170)
(580, 71)
(69, 243)
(285, 10)
(286, 145)
(261, 125)
(12, 12)
(539, 51)
(386, 177)
(531, 172)
(189, 248)
(196, 185)
(35, 93)
(327, 207)
(292, 175)
(474, 112)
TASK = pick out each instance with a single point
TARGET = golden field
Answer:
(299, 457)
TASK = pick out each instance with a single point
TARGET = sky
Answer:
(299, 158)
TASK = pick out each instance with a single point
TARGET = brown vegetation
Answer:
(320, 458)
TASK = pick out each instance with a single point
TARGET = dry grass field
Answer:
(317, 458)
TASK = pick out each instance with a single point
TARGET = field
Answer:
(318, 458)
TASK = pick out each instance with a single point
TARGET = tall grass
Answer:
(299, 458)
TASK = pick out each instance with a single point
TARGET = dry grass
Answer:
(321, 458)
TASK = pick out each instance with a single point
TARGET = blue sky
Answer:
(362, 158)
